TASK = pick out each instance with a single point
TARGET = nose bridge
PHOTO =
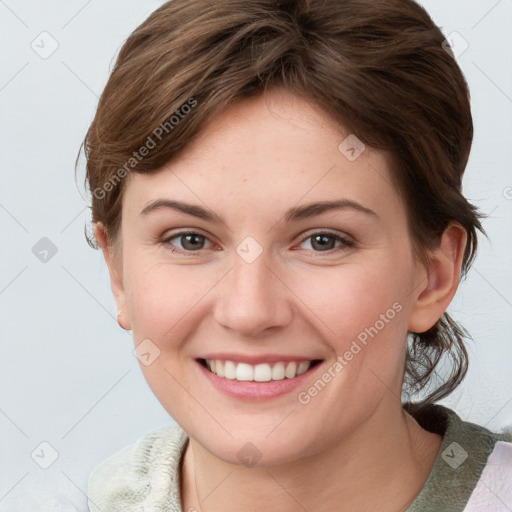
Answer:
(252, 298)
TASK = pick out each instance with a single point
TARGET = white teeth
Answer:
(278, 371)
(303, 367)
(263, 372)
(244, 372)
(291, 370)
(219, 368)
(229, 369)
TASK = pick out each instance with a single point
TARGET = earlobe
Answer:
(115, 272)
(443, 276)
(122, 322)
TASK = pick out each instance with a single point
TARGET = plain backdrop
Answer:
(72, 391)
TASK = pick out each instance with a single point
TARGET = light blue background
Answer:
(68, 375)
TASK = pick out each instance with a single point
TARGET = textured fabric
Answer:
(142, 477)
(472, 471)
(463, 455)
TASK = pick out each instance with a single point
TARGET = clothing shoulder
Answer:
(140, 477)
(493, 491)
(473, 469)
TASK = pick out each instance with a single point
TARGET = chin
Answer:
(257, 446)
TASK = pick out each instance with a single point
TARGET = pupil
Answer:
(191, 239)
(324, 241)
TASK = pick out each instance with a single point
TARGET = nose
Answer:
(253, 298)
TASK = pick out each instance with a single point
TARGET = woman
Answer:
(276, 189)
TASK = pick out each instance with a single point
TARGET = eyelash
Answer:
(346, 243)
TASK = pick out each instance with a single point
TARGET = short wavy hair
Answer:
(380, 68)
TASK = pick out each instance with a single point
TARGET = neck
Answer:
(381, 466)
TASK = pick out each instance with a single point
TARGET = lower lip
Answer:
(250, 390)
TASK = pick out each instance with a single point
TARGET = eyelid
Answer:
(184, 231)
(336, 234)
(346, 241)
(166, 239)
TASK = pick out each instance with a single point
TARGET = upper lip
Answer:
(254, 359)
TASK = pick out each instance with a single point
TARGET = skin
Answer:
(352, 447)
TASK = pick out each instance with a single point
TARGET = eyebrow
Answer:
(293, 214)
(312, 209)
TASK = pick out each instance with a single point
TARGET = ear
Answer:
(116, 275)
(442, 279)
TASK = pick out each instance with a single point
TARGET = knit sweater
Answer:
(472, 471)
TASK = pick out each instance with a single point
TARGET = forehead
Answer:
(271, 150)
(251, 126)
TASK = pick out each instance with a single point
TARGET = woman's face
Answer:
(245, 269)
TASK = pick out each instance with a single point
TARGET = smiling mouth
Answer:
(264, 372)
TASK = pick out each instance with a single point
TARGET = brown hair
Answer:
(378, 67)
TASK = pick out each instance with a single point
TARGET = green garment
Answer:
(144, 476)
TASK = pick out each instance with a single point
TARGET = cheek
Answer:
(352, 299)
(162, 298)
(343, 303)
(362, 312)
(164, 301)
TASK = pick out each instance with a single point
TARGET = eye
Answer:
(324, 241)
(189, 241)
